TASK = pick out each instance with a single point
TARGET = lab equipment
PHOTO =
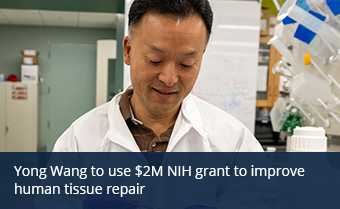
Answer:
(264, 115)
(282, 68)
(303, 111)
(279, 114)
(296, 66)
(308, 139)
(324, 120)
(293, 120)
(314, 4)
(333, 9)
(309, 87)
(331, 80)
(309, 40)
(330, 111)
(295, 12)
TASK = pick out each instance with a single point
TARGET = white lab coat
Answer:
(200, 127)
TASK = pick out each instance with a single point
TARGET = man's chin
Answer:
(164, 110)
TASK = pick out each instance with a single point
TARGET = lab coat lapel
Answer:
(188, 120)
(119, 137)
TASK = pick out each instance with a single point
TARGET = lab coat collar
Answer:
(192, 114)
(119, 132)
(188, 118)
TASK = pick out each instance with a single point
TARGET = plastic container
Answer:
(316, 46)
(295, 12)
(297, 66)
(278, 114)
(285, 32)
(309, 87)
(310, 61)
(283, 69)
(264, 115)
(308, 139)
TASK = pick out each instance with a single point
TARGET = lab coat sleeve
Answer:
(67, 142)
(86, 133)
(224, 132)
(248, 143)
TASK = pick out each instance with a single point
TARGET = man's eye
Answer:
(155, 62)
(186, 66)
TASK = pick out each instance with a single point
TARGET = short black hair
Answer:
(177, 8)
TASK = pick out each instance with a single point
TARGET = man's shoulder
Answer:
(85, 133)
(215, 119)
(224, 131)
(93, 117)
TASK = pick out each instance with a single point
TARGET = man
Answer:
(165, 46)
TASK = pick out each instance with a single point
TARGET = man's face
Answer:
(165, 57)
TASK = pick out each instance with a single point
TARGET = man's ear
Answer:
(127, 50)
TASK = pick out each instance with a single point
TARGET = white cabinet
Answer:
(18, 117)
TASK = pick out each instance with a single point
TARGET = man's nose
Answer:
(168, 75)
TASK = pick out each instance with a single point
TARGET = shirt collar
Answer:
(125, 107)
(134, 119)
(189, 110)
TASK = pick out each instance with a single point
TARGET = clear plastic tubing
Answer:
(327, 32)
(297, 67)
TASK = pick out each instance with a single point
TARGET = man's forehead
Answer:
(189, 52)
(152, 23)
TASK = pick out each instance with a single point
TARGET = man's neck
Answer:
(157, 123)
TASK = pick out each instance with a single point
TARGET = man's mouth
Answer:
(165, 92)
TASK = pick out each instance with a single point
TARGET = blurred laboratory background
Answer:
(273, 64)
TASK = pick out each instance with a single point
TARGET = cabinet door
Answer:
(2, 118)
(21, 117)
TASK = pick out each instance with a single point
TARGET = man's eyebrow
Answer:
(190, 53)
(155, 48)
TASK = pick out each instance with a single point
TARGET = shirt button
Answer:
(154, 144)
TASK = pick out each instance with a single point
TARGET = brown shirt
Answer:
(146, 139)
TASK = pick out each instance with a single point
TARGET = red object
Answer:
(12, 78)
